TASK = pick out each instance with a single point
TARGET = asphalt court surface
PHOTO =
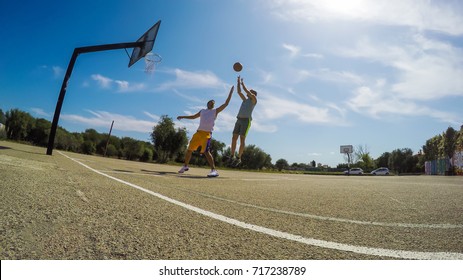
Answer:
(240, 215)
(416, 214)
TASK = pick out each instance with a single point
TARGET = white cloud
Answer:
(293, 50)
(104, 82)
(122, 86)
(57, 71)
(326, 74)
(272, 108)
(377, 104)
(426, 69)
(441, 16)
(192, 80)
(154, 117)
(40, 112)
(313, 55)
(103, 119)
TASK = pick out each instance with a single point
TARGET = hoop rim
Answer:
(156, 57)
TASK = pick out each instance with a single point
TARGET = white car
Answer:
(380, 171)
(354, 171)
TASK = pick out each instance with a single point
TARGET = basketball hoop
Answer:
(151, 61)
(347, 150)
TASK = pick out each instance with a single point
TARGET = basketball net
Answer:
(151, 61)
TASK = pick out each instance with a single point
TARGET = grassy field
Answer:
(73, 206)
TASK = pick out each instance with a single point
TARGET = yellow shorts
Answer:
(200, 139)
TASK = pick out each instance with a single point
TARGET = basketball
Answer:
(237, 67)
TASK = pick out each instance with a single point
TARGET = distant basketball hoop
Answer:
(347, 150)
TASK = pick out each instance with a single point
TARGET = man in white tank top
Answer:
(203, 136)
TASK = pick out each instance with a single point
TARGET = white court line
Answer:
(324, 218)
(401, 254)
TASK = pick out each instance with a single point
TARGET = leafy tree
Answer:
(254, 158)
(431, 148)
(38, 134)
(93, 136)
(67, 141)
(313, 163)
(147, 154)
(366, 162)
(459, 139)
(2, 117)
(217, 149)
(449, 140)
(362, 158)
(88, 147)
(18, 123)
(111, 150)
(383, 160)
(281, 164)
(403, 161)
(167, 141)
(132, 149)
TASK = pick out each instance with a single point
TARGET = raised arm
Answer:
(248, 93)
(195, 116)
(238, 87)
(224, 105)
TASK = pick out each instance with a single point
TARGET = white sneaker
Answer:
(183, 169)
(213, 173)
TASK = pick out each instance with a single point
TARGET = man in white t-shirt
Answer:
(203, 135)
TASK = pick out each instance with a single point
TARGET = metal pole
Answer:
(107, 141)
(59, 104)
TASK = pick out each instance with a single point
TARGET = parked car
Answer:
(381, 171)
(354, 171)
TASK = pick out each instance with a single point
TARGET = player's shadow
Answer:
(22, 151)
(154, 172)
(167, 173)
(199, 177)
(122, 171)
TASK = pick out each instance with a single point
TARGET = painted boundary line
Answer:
(400, 254)
(324, 218)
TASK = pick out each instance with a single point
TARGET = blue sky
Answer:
(380, 74)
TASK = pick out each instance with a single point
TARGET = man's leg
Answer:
(233, 145)
(243, 139)
(187, 160)
(188, 157)
(242, 145)
(210, 159)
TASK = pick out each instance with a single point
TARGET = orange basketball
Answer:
(237, 67)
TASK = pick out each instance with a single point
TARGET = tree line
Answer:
(168, 144)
